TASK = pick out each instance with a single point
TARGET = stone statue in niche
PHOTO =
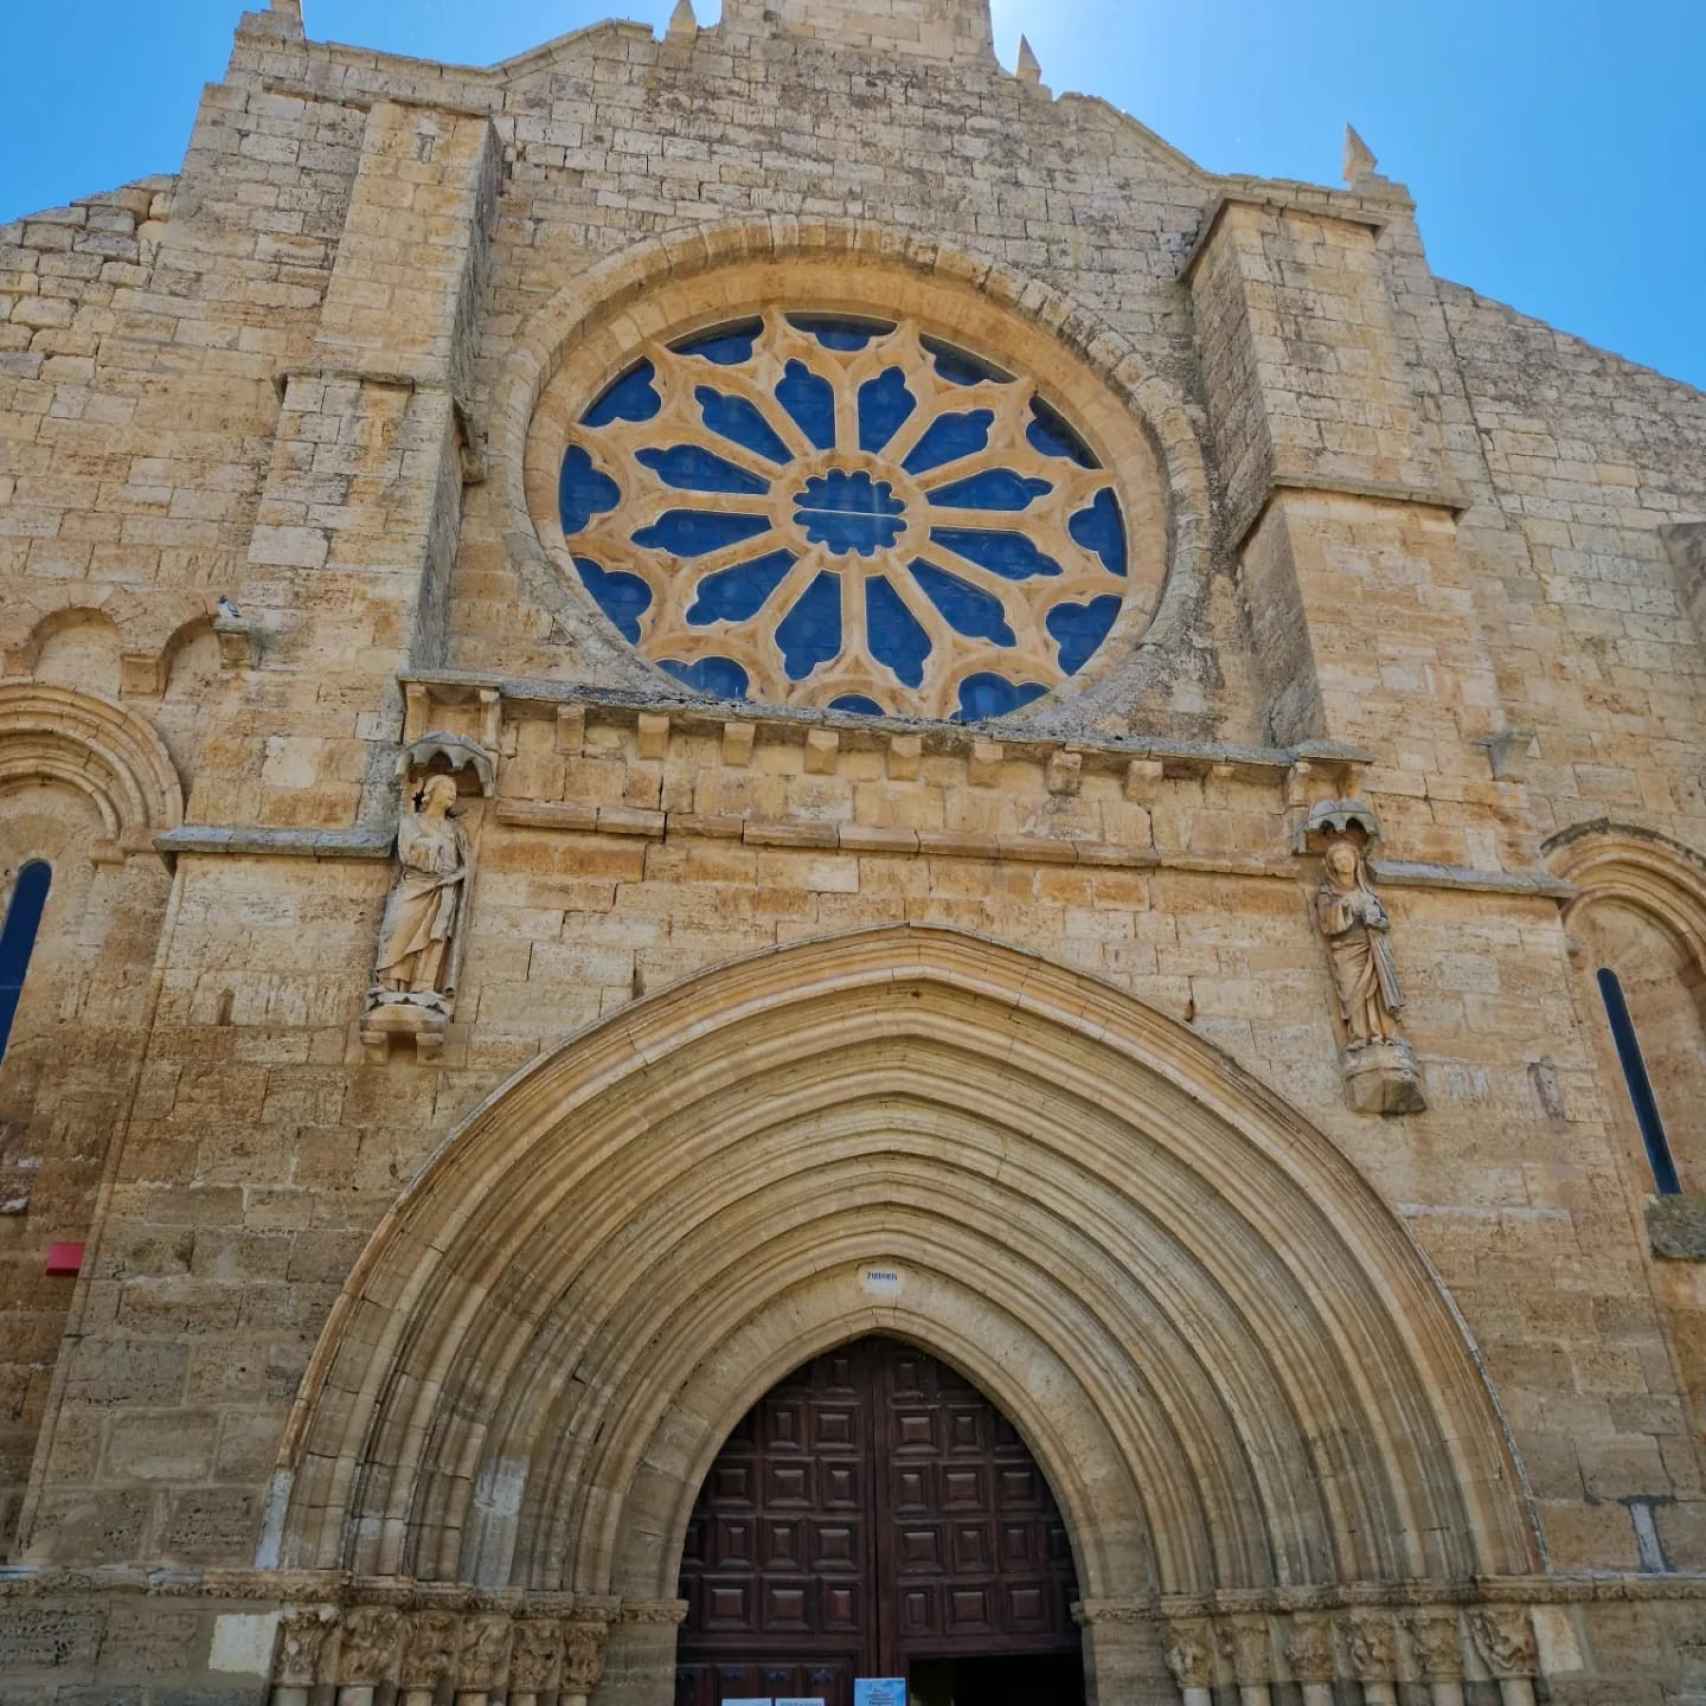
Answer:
(1350, 915)
(1379, 1066)
(423, 915)
(422, 935)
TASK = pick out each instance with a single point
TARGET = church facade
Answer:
(811, 875)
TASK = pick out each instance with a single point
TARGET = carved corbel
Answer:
(536, 1658)
(1377, 1063)
(235, 634)
(584, 1641)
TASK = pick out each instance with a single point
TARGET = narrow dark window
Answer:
(18, 939)
(1640, 1085)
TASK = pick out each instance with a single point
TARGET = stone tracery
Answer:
(844, 512)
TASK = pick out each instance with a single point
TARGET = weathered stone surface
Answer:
(281, 500)
(1677, 1227)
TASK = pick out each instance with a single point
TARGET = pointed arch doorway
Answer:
(876, 1515)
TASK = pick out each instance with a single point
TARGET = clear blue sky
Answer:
(1557, 147)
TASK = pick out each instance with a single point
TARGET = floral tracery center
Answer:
(842, 512)
(849, 512)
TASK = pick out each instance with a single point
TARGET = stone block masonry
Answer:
(392, 1371)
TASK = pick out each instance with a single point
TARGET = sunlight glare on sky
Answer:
(1555, 146)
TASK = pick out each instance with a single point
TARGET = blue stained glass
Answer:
(18, 939)
(1053, 437)
(858, 704)
(849, 512)
(958, 368)
(736, 419)
(1078, 629)
(583, 492)
(623, 598)
(722, 678)
(995, 488)
(811, 401)
(727, 346)
(968, 609)
(884, 406)
(632, 398)
(985, 696)
(811, 632)
(836, 332)
(1010, 555)
(897, 637)
(737, 594)
(696, 533)
(1101, 529)
(691, 469)
(948, 438)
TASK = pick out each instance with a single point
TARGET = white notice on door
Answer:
(755, 1702)
(782, 1701)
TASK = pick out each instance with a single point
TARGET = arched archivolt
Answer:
(1222, 1347)
(95, 746)
(574, 345)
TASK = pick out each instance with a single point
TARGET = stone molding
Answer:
(98, 747)
(781, 1032)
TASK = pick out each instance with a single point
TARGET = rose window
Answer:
(845, 513)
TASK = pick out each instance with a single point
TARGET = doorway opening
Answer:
(875, 1515)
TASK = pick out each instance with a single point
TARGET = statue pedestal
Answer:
(424, 1019)
(1382, 1078)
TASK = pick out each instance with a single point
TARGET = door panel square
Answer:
(834, 1546)
(733, 1543)
(787, 1605)
(843, 1486)
(782, 1545)
(919, 1548)
(1027, 1607)
(918, 1612)
(915, 1430)
(963, 1488)
(787, 1484)
(973, 1549)
(728, 1605)
(968, 1611)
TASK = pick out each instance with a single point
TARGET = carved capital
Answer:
(307, 1645)
(483, 1653)
(1504, 1637)
(536, 1654)
(1251, 1650)
(372, 1645)
(1309, 1649)
(583, 1654)
(1372, 1647)
(431, 1652)
(1190, 1654)
(1439, 1649)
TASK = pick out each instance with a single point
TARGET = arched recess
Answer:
(1226, 1353)
(1641, 915)
(596, 324)
(94, 746)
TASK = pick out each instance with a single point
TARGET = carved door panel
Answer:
(872, 1509)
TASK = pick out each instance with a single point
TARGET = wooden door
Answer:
(874, 1510)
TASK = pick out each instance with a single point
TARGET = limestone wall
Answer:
(1414, 558)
